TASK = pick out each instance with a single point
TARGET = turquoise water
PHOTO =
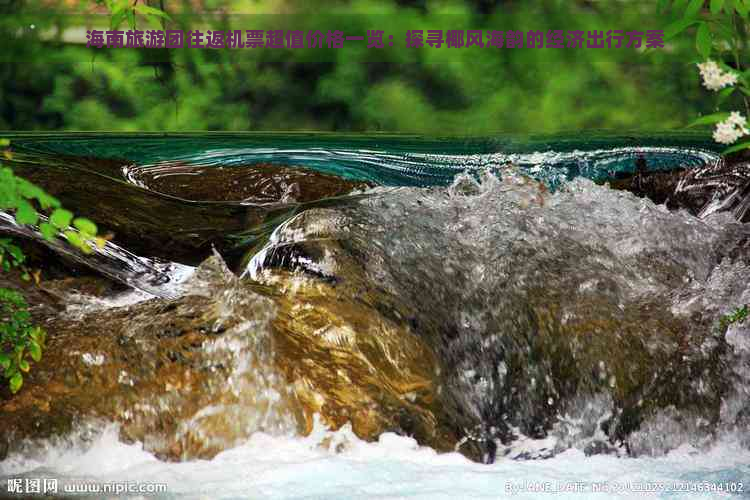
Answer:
(390, 160)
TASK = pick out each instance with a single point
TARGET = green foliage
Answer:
(721, 34)
(710, 119)
(125, 10)
(20, 196)
(704, 40)
(422, 90)
(737, 316)
(10, 255)
(20, 341)
(739, 147)
(721, 28)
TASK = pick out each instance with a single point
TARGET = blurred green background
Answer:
(51, 81)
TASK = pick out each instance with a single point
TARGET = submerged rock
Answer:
(188, 378)
(251, 183)
(723, 186)
(194, 376)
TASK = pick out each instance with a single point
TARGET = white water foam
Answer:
(339, 465)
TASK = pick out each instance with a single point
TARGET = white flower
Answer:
(714, 78)
(736, 119)
(731, 129)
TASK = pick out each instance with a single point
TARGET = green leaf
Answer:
(710, 119)
(716, 6)
(27, 189)
(131, 19)
(16, 253)
(151, 11)
(47, 201)
(61, 218)
(8, 190)
(725, 94)
(36, 351)
(26, 214)
(20, 349)
(742, 7)
(677, 27)
(116, 19)
(75, 239)
(693, 8)
(703, 40)
(85, 226)
(16, 381)
(738, 147)
(4, 143)
(36, 335)
(48, 230)
(24, 366)
(117, 14)
(661, 6)
(4, 361)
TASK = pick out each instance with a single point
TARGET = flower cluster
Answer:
(731, 129)
(714, 78)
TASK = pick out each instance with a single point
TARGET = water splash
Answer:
(502, 276)
(153, 276)
(394, 467)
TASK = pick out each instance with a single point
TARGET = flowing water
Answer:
(571, 328)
